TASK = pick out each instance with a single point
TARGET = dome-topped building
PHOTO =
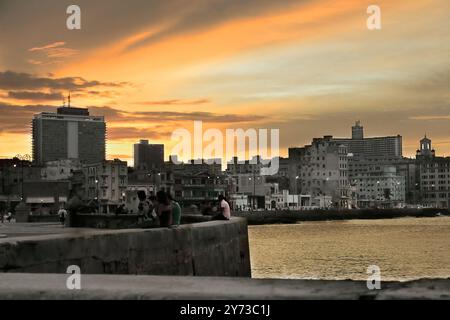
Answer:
(425, 148)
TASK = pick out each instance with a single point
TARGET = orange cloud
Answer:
(175, 102)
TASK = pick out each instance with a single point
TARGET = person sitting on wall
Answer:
(62, 213)
(9, 216)
(144, 205)
(153, 203)
(176, 211)
(164, 209)
(224, 208)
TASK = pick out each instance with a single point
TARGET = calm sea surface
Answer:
(404, 249)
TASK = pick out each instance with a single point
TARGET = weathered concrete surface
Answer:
(53, 286)
(284, 216)
(124, 221)
(216, 248)
(102, 221)
(14, 230)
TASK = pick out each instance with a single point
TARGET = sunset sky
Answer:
(307, 67)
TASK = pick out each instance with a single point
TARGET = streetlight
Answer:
(254, 188)
(98, 194)
(22, 158)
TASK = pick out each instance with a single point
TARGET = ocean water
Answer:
(404, 249)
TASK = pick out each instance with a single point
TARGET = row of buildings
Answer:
(69, 160)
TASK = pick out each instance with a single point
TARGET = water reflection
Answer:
(404, 249)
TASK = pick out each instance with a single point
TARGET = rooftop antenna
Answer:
(64, 101)
(69, 101)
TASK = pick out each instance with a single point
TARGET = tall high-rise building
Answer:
(390, 146)
(148, 156)
(70, 133)
(358, 131)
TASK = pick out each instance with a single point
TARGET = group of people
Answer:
(162, 210)
(162, 207)
(5, 217)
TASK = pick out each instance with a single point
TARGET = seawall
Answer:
(285, 216)
(121, 287)
(215, 248)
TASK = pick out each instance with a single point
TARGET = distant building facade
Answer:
(378, 186)
(106, 183)
(321, 171)
(194, 181)
(405, 167)
(390, 146)
(14, 173)
(253, 185)
(148, 156)
(70, 133)
(286, 201)
(46, 197)
(434, 173)
(60, 169)
(253, 166)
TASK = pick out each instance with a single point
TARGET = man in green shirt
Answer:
(176, 211)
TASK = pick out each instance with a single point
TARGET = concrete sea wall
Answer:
(215, 248)
(280, 216)
(102, 221)
(121, 287)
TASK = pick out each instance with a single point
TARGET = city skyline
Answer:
(309, 68)
(390, 145)
(224, 151)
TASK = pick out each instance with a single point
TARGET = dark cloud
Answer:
(17, 119)
(38, 23)
(116, 115)
(32, 95)
(432, 81)
(10, 80)
(208, 13)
